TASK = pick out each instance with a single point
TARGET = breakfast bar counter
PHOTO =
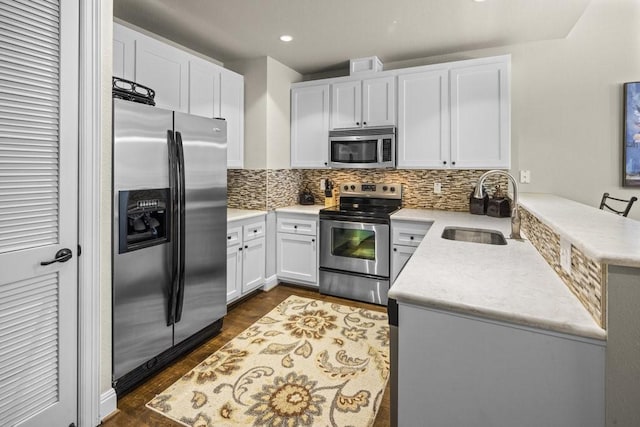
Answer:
(511, 283)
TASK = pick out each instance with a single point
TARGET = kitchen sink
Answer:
(476, 235)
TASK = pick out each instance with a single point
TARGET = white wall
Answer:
(567, 102)
(255, 110)
(267, 111)
(279, 79)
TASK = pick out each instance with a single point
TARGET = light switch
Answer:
(525, 177)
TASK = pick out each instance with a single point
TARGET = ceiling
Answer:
(327, 33)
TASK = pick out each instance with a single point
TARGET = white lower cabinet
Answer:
(405, 238)
(297, 248)
(245, 256)
(462, 370)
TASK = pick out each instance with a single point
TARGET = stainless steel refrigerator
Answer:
(169, 236)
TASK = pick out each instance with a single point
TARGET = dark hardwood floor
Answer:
(131, 408)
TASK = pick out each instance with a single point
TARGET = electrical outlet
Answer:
(437, 188)
(565, 254)
(323, 184)
(525, 177)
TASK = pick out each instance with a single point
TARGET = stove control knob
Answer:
(393, 189)
(385, 188)
(353, 187)
(346, 187)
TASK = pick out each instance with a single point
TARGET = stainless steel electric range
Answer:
(355, 242)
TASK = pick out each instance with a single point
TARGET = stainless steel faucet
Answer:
(515, 217)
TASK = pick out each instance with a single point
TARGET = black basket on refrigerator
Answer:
(132, 91)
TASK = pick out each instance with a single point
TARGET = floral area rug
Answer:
(306, 363)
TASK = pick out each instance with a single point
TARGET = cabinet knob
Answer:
(453, 163)
(228, 237)
(444, 162)
(295, 226)
(395, 249)
(255, 231)
(411, 238)
(325, 163)
(240, 248)
(313, 240)
(364, 123)
(246, 247)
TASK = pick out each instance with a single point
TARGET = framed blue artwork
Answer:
(631, 147)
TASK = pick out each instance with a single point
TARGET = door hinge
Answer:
(79, 250)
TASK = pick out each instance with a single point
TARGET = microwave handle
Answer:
(380, 149)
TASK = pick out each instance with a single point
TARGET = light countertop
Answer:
(511, 283)
(601, 235)
(302, 209)
(239, 214)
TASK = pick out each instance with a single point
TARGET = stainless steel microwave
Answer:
(363, 148)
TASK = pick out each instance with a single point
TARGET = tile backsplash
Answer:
(274, 188)
(588, 278)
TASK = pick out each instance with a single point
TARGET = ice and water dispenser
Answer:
(144, 217)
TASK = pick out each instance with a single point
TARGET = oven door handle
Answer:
(353, 219)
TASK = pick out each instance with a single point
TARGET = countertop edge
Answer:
(511, 318)
(242, 214)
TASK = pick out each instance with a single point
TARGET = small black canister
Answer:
(478, 206)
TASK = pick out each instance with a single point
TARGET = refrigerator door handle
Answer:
(181, 226)
(174, 221)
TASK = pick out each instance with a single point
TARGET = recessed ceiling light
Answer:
(286, 38)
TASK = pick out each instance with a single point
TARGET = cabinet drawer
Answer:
(254, 230)
(297, 226)
(410, 234)
(234, 236)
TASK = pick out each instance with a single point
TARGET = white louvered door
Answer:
(38, 211)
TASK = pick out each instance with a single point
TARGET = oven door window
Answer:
(353, 243)
(354, 151)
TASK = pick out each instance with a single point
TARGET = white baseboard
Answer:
(108, 403)
(270, 283)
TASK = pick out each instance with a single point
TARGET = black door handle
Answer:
(63, 255)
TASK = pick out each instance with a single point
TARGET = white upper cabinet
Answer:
(379, 101)
(165, 69)
(480, 116)
(423, 120)
(455, 115)
(310, 126)
(346, 104)
(449, 116)
(363, 103)
(232, 109)
(183, 82)
(204, 88)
